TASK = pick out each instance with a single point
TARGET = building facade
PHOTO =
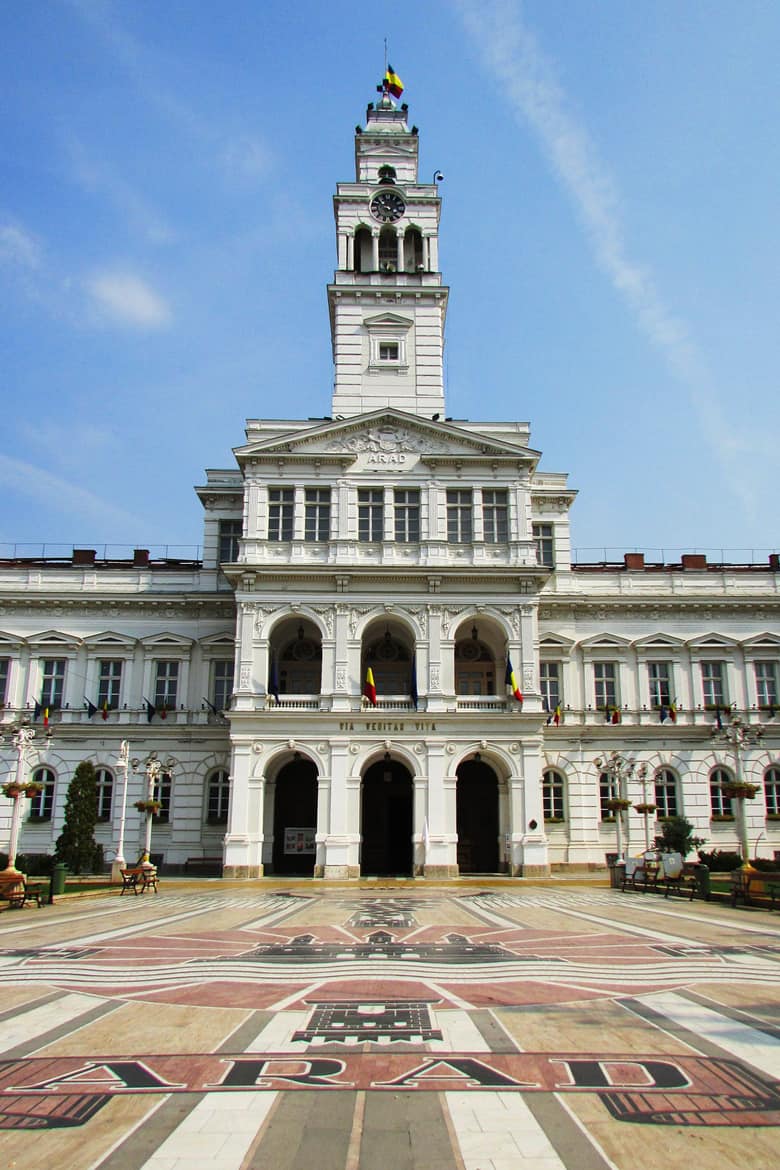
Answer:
(336, 682)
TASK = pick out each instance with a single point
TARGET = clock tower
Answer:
(387, 301)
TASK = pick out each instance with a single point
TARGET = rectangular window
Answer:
(407, 515)
(552, 796)
(166, 685)
(713, 682)
(222, 684)
(766, 684)
(42, 805)
(109, 683)
(606, 793)
(605, 680)
(545, 544)
(550, 683)
(495, 514)
(104, 782)
(229, 535)
(388, 351)
(281, 509)
(218, 799)
(53, 682)
(459, 526)
(660, 684)
(370, 514)
(317, 514)
(162, 792)
(5, 667)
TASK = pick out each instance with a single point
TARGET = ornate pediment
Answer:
(386, 433)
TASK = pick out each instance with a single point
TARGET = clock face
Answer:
(387, 206)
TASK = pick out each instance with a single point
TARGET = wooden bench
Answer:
(743, 879)
(684, 882)
(17, 891)
(643, 877)
(139, 879)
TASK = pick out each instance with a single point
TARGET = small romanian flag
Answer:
(104, 710)
(392, 82)
(369, 687)
(557, 715)
(511, 681)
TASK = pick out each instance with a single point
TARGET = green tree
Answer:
(677, 837)
(76, 844)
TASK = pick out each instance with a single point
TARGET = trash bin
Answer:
(702, 875)
(58, 878)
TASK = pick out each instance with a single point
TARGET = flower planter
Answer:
(646, 809)
(739, 791)
(617, 805)
(148, 806)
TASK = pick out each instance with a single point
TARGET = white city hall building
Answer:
(386, 542)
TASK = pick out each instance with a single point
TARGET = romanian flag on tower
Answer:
(392, 82)
(369, 688)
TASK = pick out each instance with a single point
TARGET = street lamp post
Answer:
(739, 736)
(123, 764)
(17, 790)
(619, 769)
(154, 769)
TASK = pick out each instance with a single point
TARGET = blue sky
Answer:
(609, 234)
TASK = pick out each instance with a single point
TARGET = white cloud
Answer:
(18, 246)
(96, 176)
(248, 157)
(128, 300)
(526, 76)
(60, 494)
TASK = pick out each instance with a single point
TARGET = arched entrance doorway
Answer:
(387, 819)
(295, 818)
(477, 817)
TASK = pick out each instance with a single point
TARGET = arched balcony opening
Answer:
(477, 661)
(389, 668)
(413, 250)
(363, 258)
(295, 664)
(388, 250)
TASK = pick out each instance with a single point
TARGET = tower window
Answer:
(281, 502)
(459, 519)
(370, 514)
(317, 514)
(407, 515)
(495, 516)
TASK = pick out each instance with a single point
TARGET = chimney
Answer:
(634, 560)
(774, 562)
(141, 558)
(694, 561)
(83, 556)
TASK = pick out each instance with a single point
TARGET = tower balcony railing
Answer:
(482, 703)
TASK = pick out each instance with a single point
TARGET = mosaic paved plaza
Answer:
(382, 1028)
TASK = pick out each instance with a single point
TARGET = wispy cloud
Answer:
(126, 299)
(248, 158)
(68, 444)
(58, 494)
(99, 178)
(18, 247)
(527, 78)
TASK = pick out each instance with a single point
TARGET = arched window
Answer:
(552, 795)
(413, 250)
(218, 798)
(104, 783)
(666, 792)
(42, 805)
(720, 806)
(391, 664)
(772, 792)
(300, 665)
(475, 669)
